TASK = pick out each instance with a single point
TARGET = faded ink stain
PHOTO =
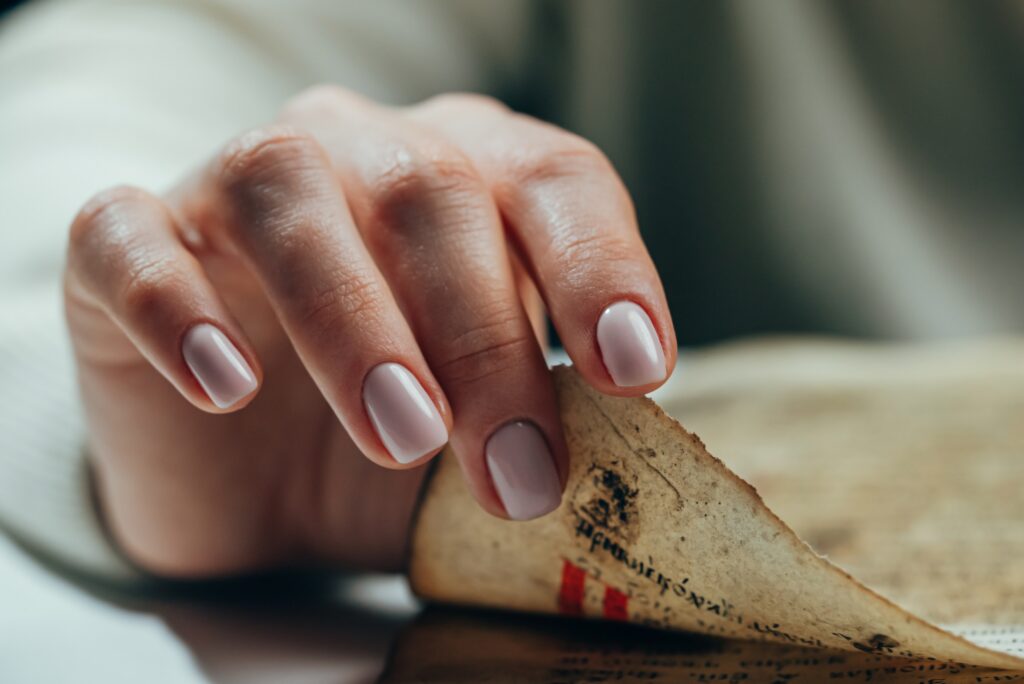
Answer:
(879, 643)
(606, 499)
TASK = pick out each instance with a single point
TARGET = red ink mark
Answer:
(570, 596)
(615, 603)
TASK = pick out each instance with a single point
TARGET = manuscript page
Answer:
(904, 466)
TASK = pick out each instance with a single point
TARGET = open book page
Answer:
(882, 466)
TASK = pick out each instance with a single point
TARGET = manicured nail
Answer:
(523, 470)
(217, 365)
(402, 413)
(630, 346)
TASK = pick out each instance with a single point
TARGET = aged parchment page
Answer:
(904, 465)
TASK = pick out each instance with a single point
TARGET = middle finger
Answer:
(435, 233)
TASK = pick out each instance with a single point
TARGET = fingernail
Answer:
(523, 470)
(402, 413)
(217, 365)
(630, 346)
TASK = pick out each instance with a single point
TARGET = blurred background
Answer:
(803, 166)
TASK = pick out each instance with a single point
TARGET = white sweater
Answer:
(100, 92)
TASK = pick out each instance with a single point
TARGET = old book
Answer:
(905, 465)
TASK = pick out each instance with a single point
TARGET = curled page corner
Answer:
(654, 530)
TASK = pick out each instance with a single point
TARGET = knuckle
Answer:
(590, 245)
(421, 169)
(496, 346)
(585, 258)
(147, 290)
(105, 234)
(265, 153)
(101, 210)
(269, 178)
(565, 156)
(352, 302)
(424, 176)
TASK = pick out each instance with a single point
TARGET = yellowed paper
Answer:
(903, 464)
(870, 466)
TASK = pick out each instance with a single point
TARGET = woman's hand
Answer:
(354, 278)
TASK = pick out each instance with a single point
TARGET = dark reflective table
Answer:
(298, 630)
(461, 645)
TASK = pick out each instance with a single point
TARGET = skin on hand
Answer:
(351, 281)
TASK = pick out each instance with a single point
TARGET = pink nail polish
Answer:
(402, 413)
(523, 470)
(218, 366)
(630, 346)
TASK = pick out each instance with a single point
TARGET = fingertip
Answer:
(208, 405)
(222, 371)
(629, 346)
(523, 470)
(387, 460)
(627, 354)
(407, 421)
